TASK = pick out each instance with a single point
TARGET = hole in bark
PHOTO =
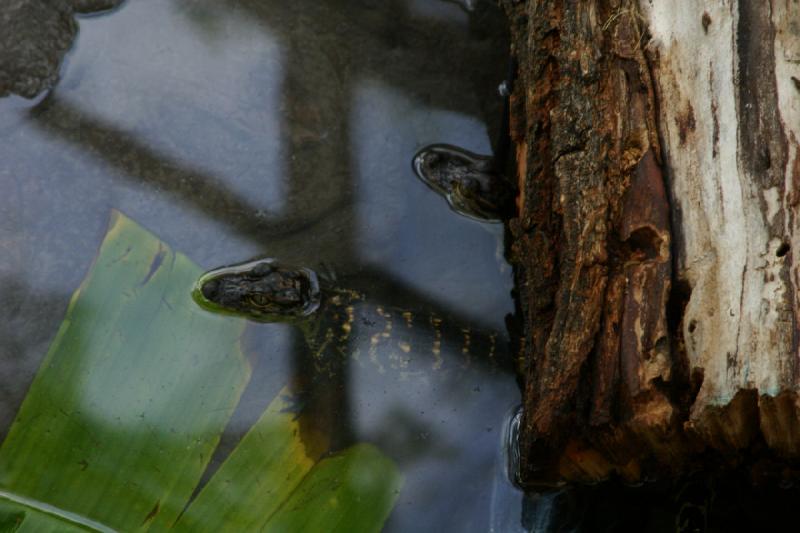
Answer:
(676, 305)
(765, 158)
(661, 347)
(692, 326)
(644, 242)
(783, 249)
(706, 21)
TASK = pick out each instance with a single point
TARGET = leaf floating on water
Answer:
(22, 514)
(353, 491)
(263, 470)
(134, 393)
(130, 402)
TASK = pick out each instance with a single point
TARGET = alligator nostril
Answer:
(210, 289)
(288, 296)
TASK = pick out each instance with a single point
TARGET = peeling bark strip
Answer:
(647, 344)
(592, 242)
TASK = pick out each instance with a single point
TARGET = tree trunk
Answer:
(657, 158)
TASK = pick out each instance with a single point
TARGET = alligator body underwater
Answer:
(340, 323)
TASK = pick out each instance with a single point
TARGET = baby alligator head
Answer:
(469, 182)
(261, 290)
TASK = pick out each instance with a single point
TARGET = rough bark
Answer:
(657, 162)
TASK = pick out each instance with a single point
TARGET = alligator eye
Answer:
(259, 299)
(210, 289)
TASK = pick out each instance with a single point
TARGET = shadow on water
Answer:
(25, 308)
(142, 164)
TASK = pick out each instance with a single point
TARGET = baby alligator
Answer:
(337, 322)
(473, 185)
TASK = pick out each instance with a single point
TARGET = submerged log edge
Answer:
(653, 244)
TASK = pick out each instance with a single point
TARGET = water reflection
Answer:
(242, 128)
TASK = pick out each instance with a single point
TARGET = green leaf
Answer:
(129, 404)
(133, 395)
(263, 470)
(24, 515)
(350, 492)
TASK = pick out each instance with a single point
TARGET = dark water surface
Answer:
(244, 128)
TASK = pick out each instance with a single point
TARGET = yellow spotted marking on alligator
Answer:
(387, 325)
(376, 338)
(347, 327)
(374, 341)
(398, 361)
(386, 349)
(325, 342)
(354, 295)
(465, 348)
(437, 342)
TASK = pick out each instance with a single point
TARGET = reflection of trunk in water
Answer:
(316, 119)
